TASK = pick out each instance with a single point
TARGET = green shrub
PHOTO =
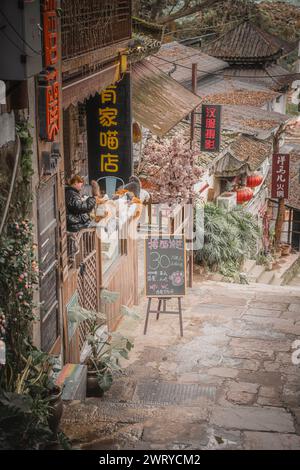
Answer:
(229, 238)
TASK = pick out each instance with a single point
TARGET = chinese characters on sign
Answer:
(109, 132)
(210, 128)
(48, 84)
(280, 175)
(49, 105)
(165, 266)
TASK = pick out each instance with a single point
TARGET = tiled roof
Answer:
(237, 151)
(158, 101)
(204, 159)
(184, 55)
(247, 43)
(245, 154)
(242, 97)
(220, 84)
(251, 120)
(274, 76)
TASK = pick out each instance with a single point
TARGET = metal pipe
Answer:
(194, 89)
(12, 183)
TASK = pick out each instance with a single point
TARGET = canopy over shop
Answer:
(158, 101)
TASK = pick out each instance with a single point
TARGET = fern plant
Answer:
(229, 238)
(105, 353)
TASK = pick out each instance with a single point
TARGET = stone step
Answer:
(255, 273)
(248, 265)
(277, 280)
(72, 379)
(224, 288)
(266, 277)
(295, 282)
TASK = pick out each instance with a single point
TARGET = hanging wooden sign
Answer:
(280, 175)
(48, 99)
(109, 132)
(50, 32)
(48, 85)
(210, 128)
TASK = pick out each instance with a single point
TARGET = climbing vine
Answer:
(25, 381)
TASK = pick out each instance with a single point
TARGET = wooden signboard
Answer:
(109, 132)
(211, 128)
(280, 175)
(165, 266)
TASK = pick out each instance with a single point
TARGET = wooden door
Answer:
(48, 264)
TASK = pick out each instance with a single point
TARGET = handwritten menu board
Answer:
(165, 266)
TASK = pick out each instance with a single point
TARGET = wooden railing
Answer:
(88, 25)
(85, 258)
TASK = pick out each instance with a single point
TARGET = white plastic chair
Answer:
(110, 184)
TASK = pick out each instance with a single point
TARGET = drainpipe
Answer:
(298, 59)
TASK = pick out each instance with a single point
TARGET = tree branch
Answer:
(188, 11)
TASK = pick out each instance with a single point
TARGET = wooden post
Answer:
(279, 221)
(290, 226)
(160, 227)
(193, 115)
(191, 251)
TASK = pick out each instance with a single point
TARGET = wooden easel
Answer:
(158, 311)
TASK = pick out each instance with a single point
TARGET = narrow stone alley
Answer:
(229, 383)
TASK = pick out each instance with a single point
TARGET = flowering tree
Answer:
(170, 170)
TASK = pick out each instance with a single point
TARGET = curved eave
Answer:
(250, 60)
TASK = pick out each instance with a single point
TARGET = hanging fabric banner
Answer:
(210, 128)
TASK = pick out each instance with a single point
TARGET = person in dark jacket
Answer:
(78, 209)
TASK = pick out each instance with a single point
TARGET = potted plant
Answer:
(46, 388)
(104, 361)
(54, 399)
(105, 349)
(285, 249)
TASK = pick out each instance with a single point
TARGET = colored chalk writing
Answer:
(165, 266)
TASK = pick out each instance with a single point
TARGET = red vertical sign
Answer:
(210, 128)
(280, 175)
(48, 87)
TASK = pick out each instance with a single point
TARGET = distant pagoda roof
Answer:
(248, 44)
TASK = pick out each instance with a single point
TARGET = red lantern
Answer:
(254, 180)
(243, 194)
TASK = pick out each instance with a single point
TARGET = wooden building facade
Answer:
(81, 51)
(94, 43)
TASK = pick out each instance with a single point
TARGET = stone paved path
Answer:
(229, 383)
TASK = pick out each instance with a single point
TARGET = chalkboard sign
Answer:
(165, 266)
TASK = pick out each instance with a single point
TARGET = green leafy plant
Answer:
(23, 421)
(25, 378)
(229, 238)
(264, 259)
(106, 350)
